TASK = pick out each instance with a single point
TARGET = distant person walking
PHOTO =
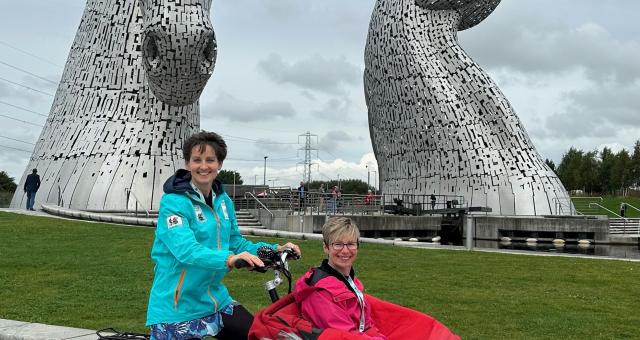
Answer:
(322, 192)
(302, 192)
(623, 209)
(333, 202)
(31, 186)
(433, 201)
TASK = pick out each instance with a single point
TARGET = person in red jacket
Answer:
(331, 296)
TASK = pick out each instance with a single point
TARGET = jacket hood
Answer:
(180, 183)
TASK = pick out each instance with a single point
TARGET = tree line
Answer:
(603, 172)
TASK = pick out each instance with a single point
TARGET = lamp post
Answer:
(264, 176)
(368, 177)
(375, 180)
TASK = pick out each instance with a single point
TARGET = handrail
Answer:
(598, 205)
(60, 199)
(130, 192)
(559, 205)
(629, 205)
(257, 200)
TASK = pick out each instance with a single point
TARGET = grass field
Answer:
(610, 202)
(93, 275)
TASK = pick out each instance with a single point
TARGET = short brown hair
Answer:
(336, 226)
(202, 139)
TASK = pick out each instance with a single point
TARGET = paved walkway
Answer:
(20, 330)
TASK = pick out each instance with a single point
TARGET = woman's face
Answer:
(204, 166)
(342, 259)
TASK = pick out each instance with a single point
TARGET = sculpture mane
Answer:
(126, 101)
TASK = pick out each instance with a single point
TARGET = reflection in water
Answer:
(620, 251)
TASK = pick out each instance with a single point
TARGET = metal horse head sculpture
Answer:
(438, 122)
(178, 47)
(127, 99)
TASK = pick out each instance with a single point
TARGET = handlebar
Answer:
(278, 261)
(270, 258)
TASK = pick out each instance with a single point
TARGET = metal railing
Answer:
(583, 207)
(250, 195)
(562, 204)
(604, 208)
(130, 193)
(60, 199)
(629, 205)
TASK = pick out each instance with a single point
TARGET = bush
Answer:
(5, 198)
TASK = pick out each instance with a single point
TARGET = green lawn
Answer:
(610, 202)
(93, 275)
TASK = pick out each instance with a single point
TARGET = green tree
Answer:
(7, 184)
(227, 176)
(550, 164)
(347, 186)
(607, 161)
(621, 172)
(635, 165)
(589, 172)
(569, 169)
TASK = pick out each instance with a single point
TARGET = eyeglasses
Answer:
(339, 246)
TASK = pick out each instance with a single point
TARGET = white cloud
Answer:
(233, 109)
(316, 73)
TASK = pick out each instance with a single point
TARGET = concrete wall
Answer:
(488, 227)
(368, 224)
(277, 222)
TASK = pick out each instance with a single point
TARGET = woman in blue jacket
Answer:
(197, 242)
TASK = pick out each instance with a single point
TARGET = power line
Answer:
(249, 140)
(26, 87)
(22, 108)
(17, 140)
(10, 147)
(257, 160)
(307, 155)
(29, 54)
(29, 73)
(19, 120)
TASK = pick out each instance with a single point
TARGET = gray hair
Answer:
(336, 226)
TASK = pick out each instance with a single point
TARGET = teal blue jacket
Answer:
(190, 252)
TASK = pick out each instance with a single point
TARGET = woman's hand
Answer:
(291, 246)
(252, 260)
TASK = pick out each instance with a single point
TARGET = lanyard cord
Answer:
(360, 302)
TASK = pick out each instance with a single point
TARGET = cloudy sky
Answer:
(287, 67)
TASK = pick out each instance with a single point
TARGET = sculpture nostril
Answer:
(208, 51)
(208, 56)
(150, 50)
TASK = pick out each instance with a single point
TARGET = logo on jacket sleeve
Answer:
(174, 221)
(199, 214)
(224, 210)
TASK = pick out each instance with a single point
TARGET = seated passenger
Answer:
(330, 296)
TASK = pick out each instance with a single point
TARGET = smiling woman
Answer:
(197, 242)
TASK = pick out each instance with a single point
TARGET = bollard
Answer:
(470, 231)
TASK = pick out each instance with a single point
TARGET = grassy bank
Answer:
(94, 275)
(610, 202)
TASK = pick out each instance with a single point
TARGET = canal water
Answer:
(619, 251)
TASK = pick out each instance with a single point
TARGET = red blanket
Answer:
(396, 322)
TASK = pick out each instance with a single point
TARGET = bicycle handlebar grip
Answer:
(291, 254)
(240, 263)
(273, 295)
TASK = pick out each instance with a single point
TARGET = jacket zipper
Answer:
(215, 302)
(217, 221)
(176, 294)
